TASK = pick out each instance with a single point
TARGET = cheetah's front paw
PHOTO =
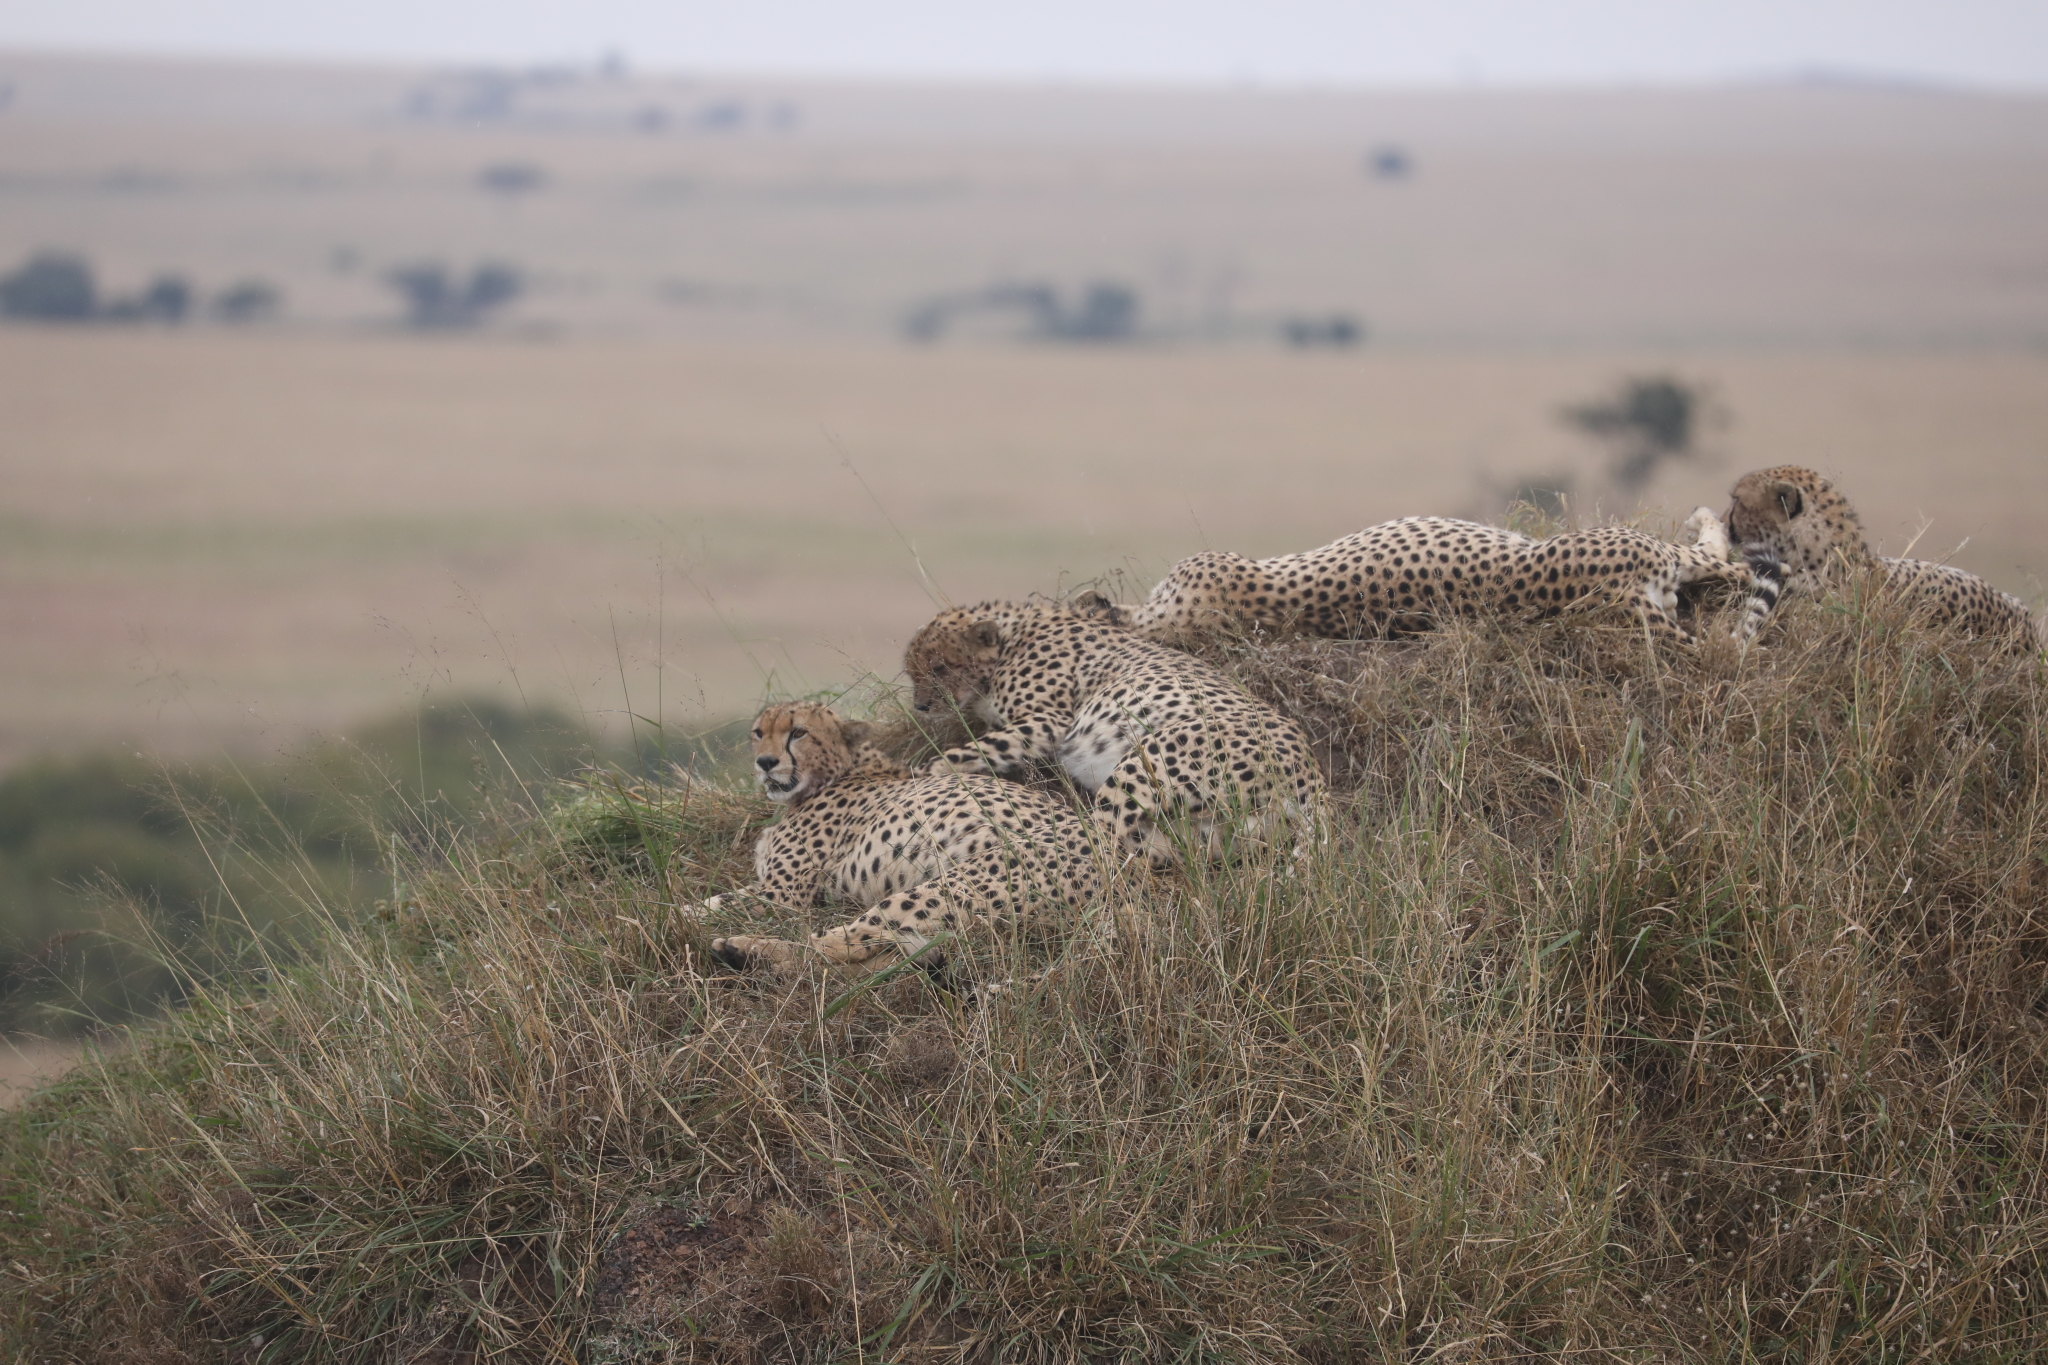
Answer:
(1706, 530)
(699, 911)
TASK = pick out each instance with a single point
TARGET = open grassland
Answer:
(211, 538)
(1621, 218)
(1637, 1010)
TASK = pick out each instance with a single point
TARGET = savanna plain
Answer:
(1639, 1007)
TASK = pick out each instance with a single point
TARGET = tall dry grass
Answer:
(1636, 1010)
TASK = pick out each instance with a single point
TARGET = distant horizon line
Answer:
(621, 66)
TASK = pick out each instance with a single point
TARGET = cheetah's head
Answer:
(1798, 516)
(801, 748)
(952, 660)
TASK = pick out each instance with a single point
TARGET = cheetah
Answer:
(927, 855)
(1155, 735)
(1401, 577)
(1800, 517)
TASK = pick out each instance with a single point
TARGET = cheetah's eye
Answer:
(797, 732)
(757, 732)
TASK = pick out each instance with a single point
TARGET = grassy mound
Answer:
(1689, 1010)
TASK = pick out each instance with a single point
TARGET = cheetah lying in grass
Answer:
(926, 855)
(1797, 516)
(1405, 576)
(1161, 739)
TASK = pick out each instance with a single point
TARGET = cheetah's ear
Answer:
(854, 731)
(985, 635)
(1790, 501)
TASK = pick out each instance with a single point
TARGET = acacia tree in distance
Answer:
(53, 287)
(1649, 420)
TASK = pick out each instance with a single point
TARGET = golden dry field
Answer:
(231, 538)
(696, 460)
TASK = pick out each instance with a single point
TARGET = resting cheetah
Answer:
(926, 854)
(1798, 516)
(1155, 734)
(1404, 576)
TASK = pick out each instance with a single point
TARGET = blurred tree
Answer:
(52, 287)
(435, 298)
(168, 299)
(1389, 161)
(1107, 311)
(1649, 420)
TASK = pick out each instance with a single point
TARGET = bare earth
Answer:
(26, 1063)
(695, 463)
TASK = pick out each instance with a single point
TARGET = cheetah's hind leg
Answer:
(1127, 805)
(750, 952)
(840, 947)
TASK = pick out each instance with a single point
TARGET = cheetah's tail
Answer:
(1767, 585)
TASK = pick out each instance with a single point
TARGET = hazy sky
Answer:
(1987, 42)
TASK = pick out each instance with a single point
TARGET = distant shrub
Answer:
(249, 300)
(436, 298)
(722, 116)
(1548, 494)
(1338, 331)
(168, 300)
(1106, 311)
(53, 287)
(511, 178)
(1390, 161)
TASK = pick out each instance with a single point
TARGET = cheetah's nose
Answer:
(767, 762)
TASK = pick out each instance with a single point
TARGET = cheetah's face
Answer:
(1800, 517)
(800, 748)
(952, 661)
